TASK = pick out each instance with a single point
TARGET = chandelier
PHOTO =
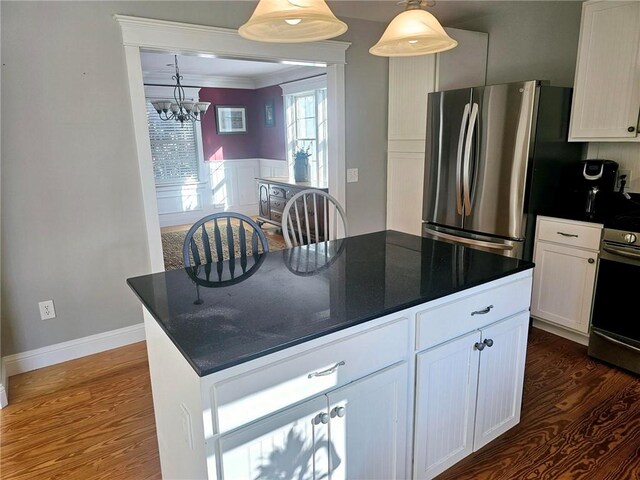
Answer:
(179, 109)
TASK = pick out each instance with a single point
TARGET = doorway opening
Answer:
(211, 166)
(148, 35)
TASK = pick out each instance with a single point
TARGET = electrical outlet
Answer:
(622, 173)
(47, 312)
(352, 175)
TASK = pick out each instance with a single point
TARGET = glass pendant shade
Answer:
(413, 32)
(292, 21)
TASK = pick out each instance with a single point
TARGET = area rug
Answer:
(172, 243)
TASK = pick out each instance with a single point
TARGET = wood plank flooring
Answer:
(92, 418)
(580, 421)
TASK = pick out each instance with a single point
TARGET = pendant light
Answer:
(413, 32)
(292, 21)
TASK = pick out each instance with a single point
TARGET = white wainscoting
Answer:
(273, 168)
(233, 188)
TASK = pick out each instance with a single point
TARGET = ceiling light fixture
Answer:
(413, 32)
(179, 109)
(292, 21)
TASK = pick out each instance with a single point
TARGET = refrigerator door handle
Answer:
(470, 241)
(465, 117)
(466, 174)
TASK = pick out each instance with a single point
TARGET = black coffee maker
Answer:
(598, 179)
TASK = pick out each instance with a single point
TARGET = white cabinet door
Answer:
(368, 427)
(286, 445)
(563, 283)
(501, 378)
(446, 384)
(606, 99)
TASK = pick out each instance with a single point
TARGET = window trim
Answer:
(193, 94)
(296, 88)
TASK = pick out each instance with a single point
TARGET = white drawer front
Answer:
(267, 389)
(576, 234)
(448, 321)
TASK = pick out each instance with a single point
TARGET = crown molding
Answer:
(195, 80)
(288, 75)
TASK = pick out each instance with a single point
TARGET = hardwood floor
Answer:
(92, 418)
(580, 420)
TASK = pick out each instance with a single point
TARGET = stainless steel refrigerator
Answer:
(497, 156)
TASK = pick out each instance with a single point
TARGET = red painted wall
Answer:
(259, 141)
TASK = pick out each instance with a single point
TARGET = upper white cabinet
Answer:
(606, 97)
(411, 79)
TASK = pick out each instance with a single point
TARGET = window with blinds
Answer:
(173, 149)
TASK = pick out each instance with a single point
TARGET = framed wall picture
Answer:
(269, 113)
(231, 119)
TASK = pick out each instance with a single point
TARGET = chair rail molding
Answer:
(141, 33)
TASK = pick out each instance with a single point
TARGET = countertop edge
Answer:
(344, 326)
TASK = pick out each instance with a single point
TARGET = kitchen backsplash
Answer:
(627, 154)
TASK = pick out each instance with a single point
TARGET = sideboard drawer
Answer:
(278, 192)
(445, 322)
(274, 386)
(568, 232)
(276, 216)
(277, 203)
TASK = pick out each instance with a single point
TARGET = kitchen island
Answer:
(313, 360)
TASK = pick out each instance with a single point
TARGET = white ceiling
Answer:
(162, 63)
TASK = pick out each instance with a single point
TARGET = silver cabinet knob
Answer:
(591, 260)
(338, 412)
(479, 346)
(488, 342)
(320, 418)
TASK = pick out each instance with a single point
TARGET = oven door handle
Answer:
(617, 342)
(622, 252)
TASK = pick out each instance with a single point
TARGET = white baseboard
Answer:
(4, 385)
(577, 337)
(62, 352)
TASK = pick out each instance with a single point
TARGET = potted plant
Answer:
(301, 163)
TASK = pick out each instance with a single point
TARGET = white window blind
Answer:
(173, 149)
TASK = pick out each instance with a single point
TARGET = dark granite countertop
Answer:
(292, 296)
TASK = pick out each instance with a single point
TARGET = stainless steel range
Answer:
(615, 323)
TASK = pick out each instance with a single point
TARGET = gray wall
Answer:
(72, 217)
(531, 42)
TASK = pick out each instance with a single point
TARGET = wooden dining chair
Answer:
(200, 248)
(312, 216)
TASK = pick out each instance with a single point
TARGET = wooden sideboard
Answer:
(273, 195)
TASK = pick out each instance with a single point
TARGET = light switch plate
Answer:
(352, 175)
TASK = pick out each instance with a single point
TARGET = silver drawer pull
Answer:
(328, 371)
(483, 311)
(567, 234)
